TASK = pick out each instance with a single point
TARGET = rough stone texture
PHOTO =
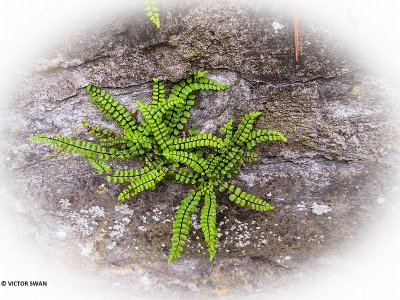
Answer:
(324, 182)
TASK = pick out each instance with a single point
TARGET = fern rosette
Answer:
(202, 160)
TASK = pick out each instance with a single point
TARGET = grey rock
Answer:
(341, 154)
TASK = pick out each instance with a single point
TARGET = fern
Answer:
(152, 11)
(208, 219)
(71, 145)
(181, 223)
(142, 182)
(99, 165)
(204, 161)
(121, 176)
(200, 140)
(244, 199)
(112, 109)
(98, 132)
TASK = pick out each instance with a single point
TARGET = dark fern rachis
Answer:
(202, 160)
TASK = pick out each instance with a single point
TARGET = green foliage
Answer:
(181, 223)
(244, 199)
(143, 182)
(99, 165)
(202, 160)
(208, 219)
(83, 148)
(152, 11)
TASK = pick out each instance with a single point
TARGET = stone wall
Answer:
(324, 182)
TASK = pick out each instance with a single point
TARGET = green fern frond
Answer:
(139, 140)
(97, 131)
(223, 166)
(176, 118)
(201, 140)
(188, 158)
(186, 177)
(245, 127)
(111, 108)
(227, 129)
(250, 156)
(158, 128)
(99, 165)
(211, 163)
(153, 162)
(158, 94)
(153, 12)
(80, 147)
(244, 199)
(194, 83)
(130, 152)
(208, 220)
(120, 176)
(259, 136)
(143, 182)
(193, 131)
(181, 223)
(118, 140)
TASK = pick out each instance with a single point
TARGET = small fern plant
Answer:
(204, 161)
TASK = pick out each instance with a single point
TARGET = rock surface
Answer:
(324, 182)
